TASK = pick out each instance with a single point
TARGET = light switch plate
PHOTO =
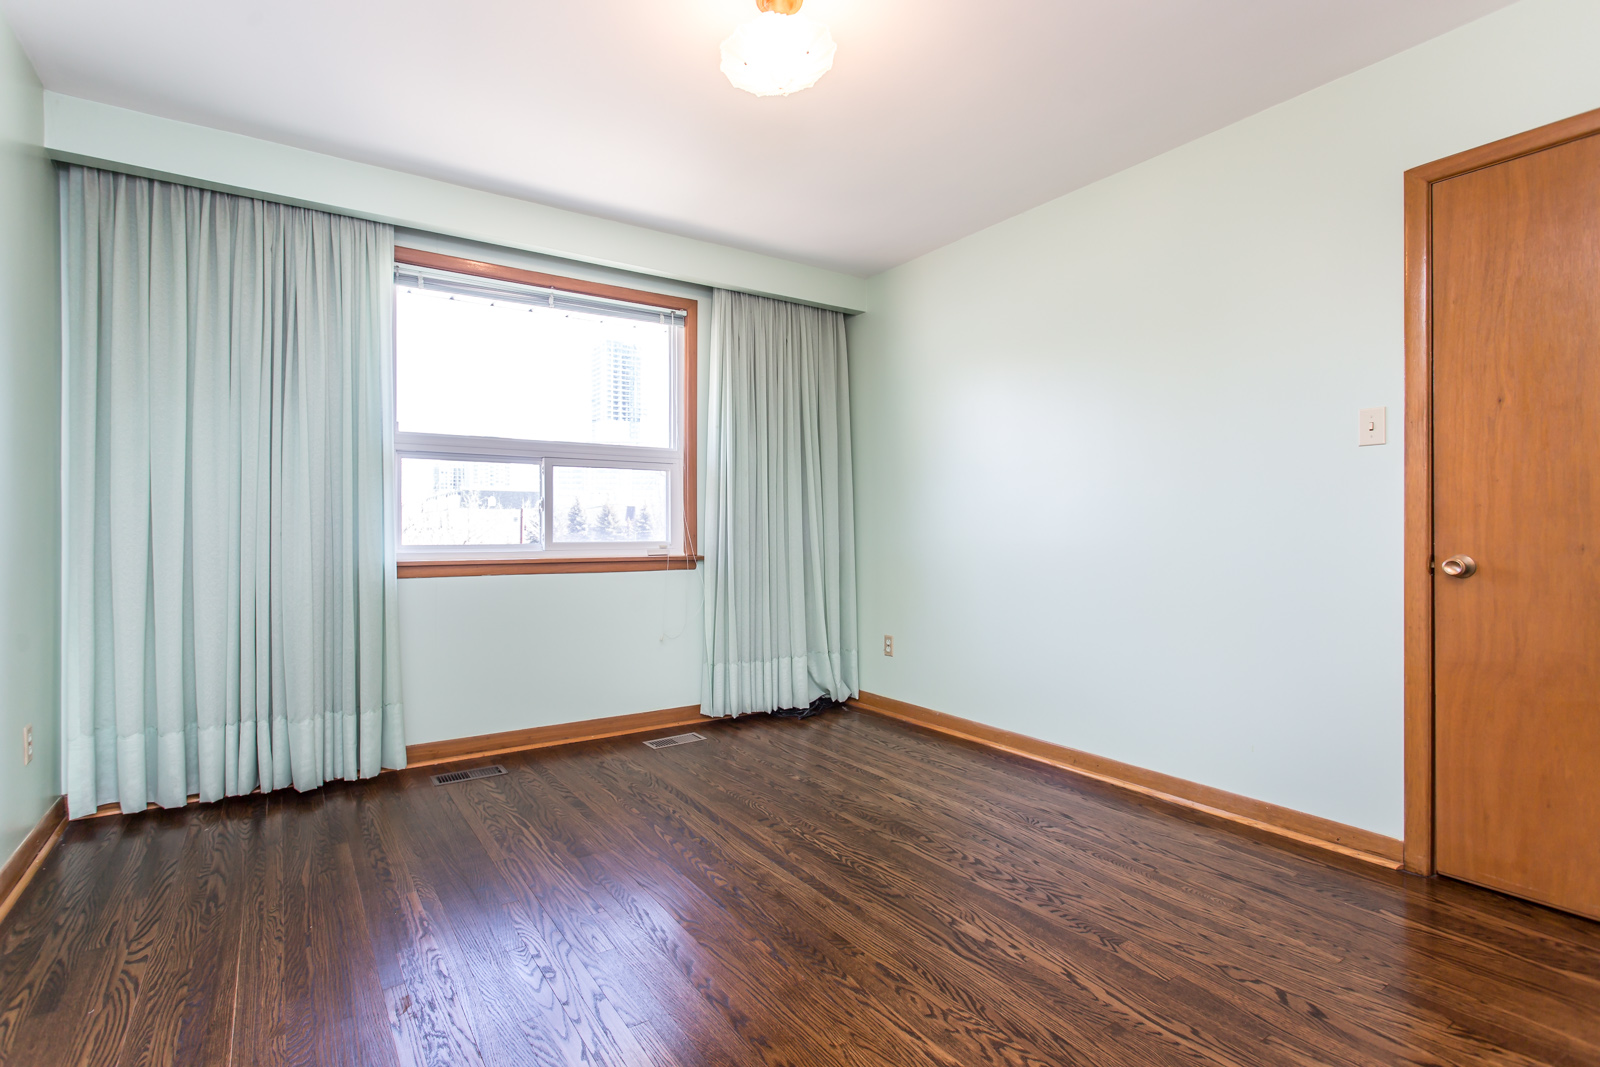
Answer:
(1374, 426)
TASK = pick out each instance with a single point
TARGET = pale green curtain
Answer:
(779, 539)
(229, 585)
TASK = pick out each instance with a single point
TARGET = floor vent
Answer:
(676, 739)
(452, 777)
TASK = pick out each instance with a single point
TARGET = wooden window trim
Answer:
(439, 568)
(469, 568)
(1418, 569)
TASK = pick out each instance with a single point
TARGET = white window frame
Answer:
(550, 454)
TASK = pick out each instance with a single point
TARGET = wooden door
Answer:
(1516, 345)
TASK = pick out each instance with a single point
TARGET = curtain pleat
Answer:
(780, 521)
(229, 576)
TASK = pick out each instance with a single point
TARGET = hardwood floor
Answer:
(844, 890)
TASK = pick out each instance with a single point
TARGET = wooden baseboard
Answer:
(567, 733)
(464, 748)
(18, 870)
(1285, 822)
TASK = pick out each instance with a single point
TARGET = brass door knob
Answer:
(1459, 567)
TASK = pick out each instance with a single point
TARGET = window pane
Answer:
(610, 504)
(448, 502)
(494, 366)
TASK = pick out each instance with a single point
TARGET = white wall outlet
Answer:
(27, 745)
(888, 645)
(1374, 426)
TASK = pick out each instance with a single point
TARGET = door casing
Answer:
(1419, 636)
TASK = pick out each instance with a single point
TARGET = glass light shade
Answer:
(775, 55)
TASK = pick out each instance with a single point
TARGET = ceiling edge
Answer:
(84, 131)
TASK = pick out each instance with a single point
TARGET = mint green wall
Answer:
(29, 436)
(1108, 487)
(509, 652)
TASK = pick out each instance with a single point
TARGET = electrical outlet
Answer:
(27, 745)
(888, 645)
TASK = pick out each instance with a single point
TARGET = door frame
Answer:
(1419, 637)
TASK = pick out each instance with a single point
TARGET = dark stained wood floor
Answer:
(845, 890)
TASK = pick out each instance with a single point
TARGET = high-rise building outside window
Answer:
(614, 384)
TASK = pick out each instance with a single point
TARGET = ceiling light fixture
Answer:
(778, 52)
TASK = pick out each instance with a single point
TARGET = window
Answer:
(539, 421)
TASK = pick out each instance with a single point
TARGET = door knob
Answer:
(1459, 567)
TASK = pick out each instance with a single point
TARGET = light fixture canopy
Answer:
(778, 52)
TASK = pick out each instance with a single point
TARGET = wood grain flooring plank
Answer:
(659, 938)
(262, 1028)
(1099, 858)
(960, 1029)
(343, 961)
(879, 890)
(841, 890)
(521, 841)
(460, 881)
(1165, 938)
(429, 1014)
(1284, 995)
(305, 1020)
(548, 961)
(47, 938)
(206, 1038)
(110, 989)
(1102, 857)
(195, 958)
(924, 940)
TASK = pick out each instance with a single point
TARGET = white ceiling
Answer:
(940, 117)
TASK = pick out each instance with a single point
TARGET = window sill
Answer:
(466, 568)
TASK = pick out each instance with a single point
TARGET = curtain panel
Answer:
(779, 540)
(229, 574)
